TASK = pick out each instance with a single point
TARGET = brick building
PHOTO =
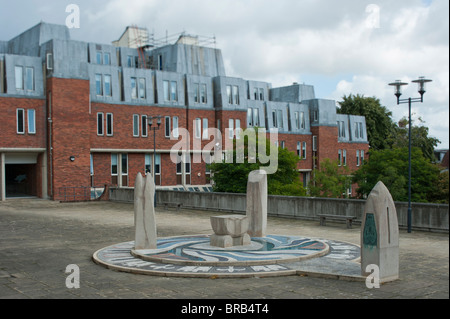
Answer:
(76, 115)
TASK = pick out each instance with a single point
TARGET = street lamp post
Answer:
(154, 128)
(398, 84)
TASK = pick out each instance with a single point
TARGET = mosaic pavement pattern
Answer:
(192, 256)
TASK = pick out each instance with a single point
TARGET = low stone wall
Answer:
(427, 217)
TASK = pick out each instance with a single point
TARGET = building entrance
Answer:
(20, 180)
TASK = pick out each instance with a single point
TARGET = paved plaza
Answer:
(40, 238)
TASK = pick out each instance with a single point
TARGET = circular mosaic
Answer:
(262, 250)
(192, 256)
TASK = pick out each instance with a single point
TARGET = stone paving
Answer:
(39, 238)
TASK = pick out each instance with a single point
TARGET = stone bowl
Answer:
(232, 225)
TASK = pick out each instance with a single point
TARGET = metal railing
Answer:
(80, 193)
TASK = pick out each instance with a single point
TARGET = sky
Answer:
(341, 47)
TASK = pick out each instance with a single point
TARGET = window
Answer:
(299, 149)
(157, 164)
(198, 127)
(236, 95)
(175, 126)
(302, 120)
(144, 125)
(148, 164)
(188, 163)
(92, 164)
(29, 76)
(114, 161)
(31, 122)
(135, 125)
(280, 118)
(203, 93)
(344, 157)
(142, 85)
(274, 118)
(160, 62)
(173, 91)
(98, 84)
(167, 126)
(196, 99)
(19, 77)
(124, 167)
(249, 117)
(20, 116)
(362, 157)
(230, 128)
(238, 129)
(339, 157)
(109, 124)
(205, 134)
(166, 91)
(108, 85)
(283, 144)
(230, 98)
(99, 57)
(314, 143)
(130, 61)
(255, 93)
(357, 157)
(261, 94)
(256, 117)
(297, 120)
(179, 167)
(134, 88)
(106, 58)
(99, 123)
(304, 150)
(361, 130)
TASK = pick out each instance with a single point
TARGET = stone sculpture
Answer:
(229, 230)
(144, 213)
(379, 235)
(257, 203)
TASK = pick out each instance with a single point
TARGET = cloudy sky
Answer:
(340, 47)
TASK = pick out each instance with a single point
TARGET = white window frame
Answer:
(23, 121)
(205, 134)
(175, 132)
(357, 158)
(134, 90)
(102, 127)
(148, 163)
(167, 128)
(116, 156)
(142, 87)
(136, 125)
(29, 78)
(238, 128)
(230, 129)
(109, 115)
(31, 120)
(304, 150)
(108, 89)
(198, 128)
(98, 85)
(144, 123)
(18, 72)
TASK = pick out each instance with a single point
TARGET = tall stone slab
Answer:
(257, 203)
(379, 235)
(144, 213)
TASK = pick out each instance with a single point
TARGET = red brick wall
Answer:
(8, 127)
(70, 133)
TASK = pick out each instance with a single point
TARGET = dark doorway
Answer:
(20, 180)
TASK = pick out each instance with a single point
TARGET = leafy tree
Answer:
(380, 126)
(232, 177)
(331, 180)
(419, 137)
(391, 167)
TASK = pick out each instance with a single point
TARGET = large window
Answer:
(173, 91)
(142, 85)
(175, 126)
(108, 85)
(236, 95)
(134, 93)
(109, 124)
(29, 77)
(114, 161)
(230, 97)
(148, 163)
(20, 116)
(135, 125)
(205, 134)
(198, 127)
(31, 122)
(19, 77)
(166, 91)
(98, 84)
(100, 123)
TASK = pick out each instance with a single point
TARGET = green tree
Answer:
(419, 137)
(232, 177)
(331, 180)
(380, 126)
(391, 167)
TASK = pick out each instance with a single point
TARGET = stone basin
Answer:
(232, 225)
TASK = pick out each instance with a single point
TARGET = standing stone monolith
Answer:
(257, 203)
(144, 213)
(379, 235)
